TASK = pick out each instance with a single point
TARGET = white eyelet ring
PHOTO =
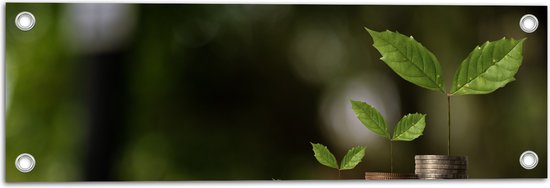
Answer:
(528, 23)
(528, 160)
(25, 162)
(25, 21)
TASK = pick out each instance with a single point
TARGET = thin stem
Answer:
(391, 156)
(449, 138)
(339, 174)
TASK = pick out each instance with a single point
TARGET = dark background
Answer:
(238, 92)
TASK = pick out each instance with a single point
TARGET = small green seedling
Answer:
(487, 68)
(410, 127)
(350, 160)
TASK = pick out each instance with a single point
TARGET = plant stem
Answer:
(449, 113)
(391, 156)
(339, 174)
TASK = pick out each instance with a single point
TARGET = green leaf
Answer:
(371, 118)
(488, 67)
(352, 158)
(409, 127)
(324, 156)
(409, 59)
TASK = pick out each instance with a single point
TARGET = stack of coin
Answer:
(441, 167)
(388, 176)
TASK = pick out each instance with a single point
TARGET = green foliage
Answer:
(352, 158)
(408, 128)
(325, 157)
(371, 118)
(488, 67)
(409, 59)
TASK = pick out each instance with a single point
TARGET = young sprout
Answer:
(408, 128)
(350, 160)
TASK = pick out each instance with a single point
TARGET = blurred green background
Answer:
(237, 92)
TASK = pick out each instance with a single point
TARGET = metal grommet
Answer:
(528, 23)
(528, 160)
(25, 162)
(25, 21)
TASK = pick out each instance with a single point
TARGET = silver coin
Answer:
(437, 178)
(440, 166)
(439, 157)
(441, 162)
(440, 171)
(442, 176)
(388, 175)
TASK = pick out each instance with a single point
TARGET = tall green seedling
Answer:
(487, 68)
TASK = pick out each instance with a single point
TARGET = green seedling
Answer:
(487, 68)
(410, 127)
(353, 157)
